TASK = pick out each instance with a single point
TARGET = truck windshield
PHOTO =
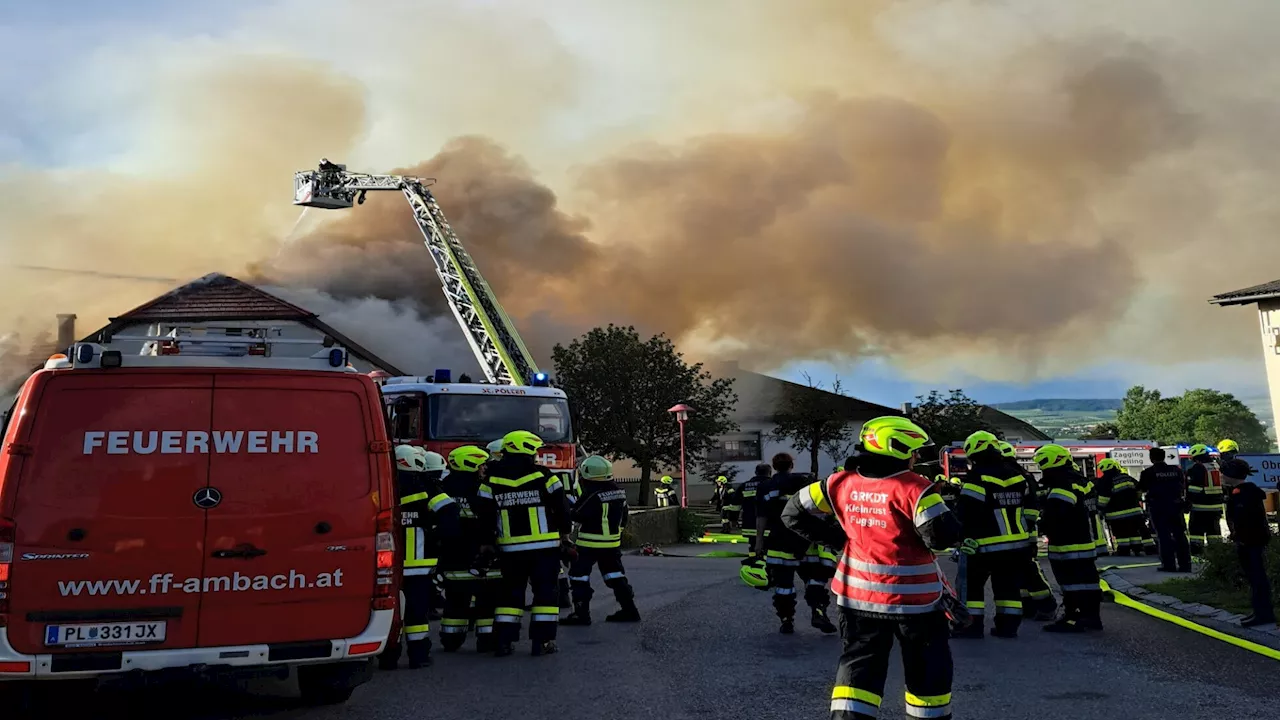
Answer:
(489, 417)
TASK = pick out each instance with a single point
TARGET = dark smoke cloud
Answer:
(868, 222)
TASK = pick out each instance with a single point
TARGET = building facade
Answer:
(1266, 298)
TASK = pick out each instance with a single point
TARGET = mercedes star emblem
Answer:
(206, 498)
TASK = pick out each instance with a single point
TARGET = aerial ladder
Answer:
(490, 333)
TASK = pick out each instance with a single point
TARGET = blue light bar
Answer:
(337, 357)
(540, 379)
(443, 375)
(84, 354)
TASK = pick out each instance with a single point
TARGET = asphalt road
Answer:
(709, 647)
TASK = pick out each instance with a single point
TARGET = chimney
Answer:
(906, 408)
(66, 331)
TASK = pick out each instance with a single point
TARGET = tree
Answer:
(813, 420)
(1106, 430)
(1196, 416)
(621, 388)
(948, 418)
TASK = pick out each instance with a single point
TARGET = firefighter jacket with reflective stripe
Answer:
(1118, 495)
(772, 498)
(601, 513)
(992, 508)
(1067, 516)
(892, 526)
(532, 512)
(746, 494)
(429, 517)
(1204, 487)
(476, 520)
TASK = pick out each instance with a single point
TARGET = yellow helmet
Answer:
(1228, 446)
(521, 442)
(1109, 464)
(467, 458)
(1198, 450)
(1007, 449)
(595, 467)
(666, 480)
(1052, 456)
(979, 441)
(722, 480)
(893, 436)
(410, 458)
(754, 576)
(839, 468)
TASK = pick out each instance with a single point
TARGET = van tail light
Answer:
(8, 536)
(384, 574)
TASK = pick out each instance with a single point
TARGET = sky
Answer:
(1030, 199)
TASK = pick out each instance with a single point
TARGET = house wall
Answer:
(1269, 324)
(746, 468)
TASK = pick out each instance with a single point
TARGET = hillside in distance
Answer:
(1070, 418)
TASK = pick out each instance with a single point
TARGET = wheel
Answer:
(330, 684)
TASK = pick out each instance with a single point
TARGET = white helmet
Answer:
(432, 461)
(410, 458)
(495, 447)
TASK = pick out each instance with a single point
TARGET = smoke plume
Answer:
(844, 179)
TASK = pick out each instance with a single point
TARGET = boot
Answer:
(419, 652)
(484, 643)
(626, 613)
(976, 631)
(1005, 629)
(503, 650)
(390, 658)
(1252, 620)
(581, 615)
(821, 621)
(788, 626)
(547, 647)
(451, 642)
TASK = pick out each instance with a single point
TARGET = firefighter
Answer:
(1066, 520)
(600, 513)
(992, 510)
(1227, 451)
(429, 516)
(495, 450)
(664, 492)
(718, 499)
(744, 494)
(1247, 519)
(1119, 503)
(1204, 494)
(1163, 488)
(788, 554)
(1035, 592)
(470, 578)
(533, 523)
(887, 582)
(730, 509)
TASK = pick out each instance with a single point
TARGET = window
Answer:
(404, 418)
(481, 418)
(736, 448)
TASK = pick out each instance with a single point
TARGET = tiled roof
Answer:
(760, 397)
(215, 297)
(1248, 295)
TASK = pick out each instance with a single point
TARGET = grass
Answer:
(1206, 592)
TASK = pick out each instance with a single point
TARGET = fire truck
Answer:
(433, 411)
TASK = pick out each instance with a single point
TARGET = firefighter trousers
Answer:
(419, 595)
(1129, 532)
(1036, 592)
(615, 577)
(1081, 591)
(1171, 536)
(864, 663)
(782, 566)
(1007, 570)
(520, 570)
(468, 599)
(1205, 527)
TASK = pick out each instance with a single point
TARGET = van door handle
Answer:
(240, 551)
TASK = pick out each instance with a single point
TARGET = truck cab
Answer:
(441, 416)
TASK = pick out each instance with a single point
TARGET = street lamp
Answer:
(682, 414)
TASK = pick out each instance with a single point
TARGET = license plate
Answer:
(119, 633)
